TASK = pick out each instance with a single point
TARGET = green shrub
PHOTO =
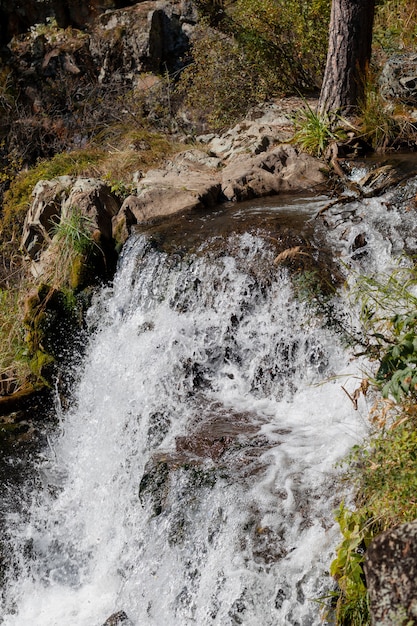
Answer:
(314, 131)
(376, 122)
(285, 40)
(395, 26)
(262, 48)
(220, 85)
(389, 320)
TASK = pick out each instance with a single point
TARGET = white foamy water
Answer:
(193, 479)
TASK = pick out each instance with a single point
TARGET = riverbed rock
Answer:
(391, 576)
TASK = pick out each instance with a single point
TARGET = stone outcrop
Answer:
(16, 18)
(54, 200)
(192, 180)
(391, 576)
(148, 37)
(398, 78)
(283, 169)
(118, 48)
(189, 181)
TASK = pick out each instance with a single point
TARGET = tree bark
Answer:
(348, 56)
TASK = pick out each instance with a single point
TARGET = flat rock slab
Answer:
(283, 169)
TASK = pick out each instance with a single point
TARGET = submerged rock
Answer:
(118, 619)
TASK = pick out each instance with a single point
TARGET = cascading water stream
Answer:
(193, 479)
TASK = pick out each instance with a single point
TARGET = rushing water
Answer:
(192, 480)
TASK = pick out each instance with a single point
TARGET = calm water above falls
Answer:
(193, 479)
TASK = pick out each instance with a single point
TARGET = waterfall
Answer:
(193, 478)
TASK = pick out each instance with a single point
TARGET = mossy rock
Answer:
(53, 321)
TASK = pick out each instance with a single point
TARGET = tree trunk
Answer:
(349, 53)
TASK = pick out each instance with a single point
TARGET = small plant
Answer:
(376, 123)
(389, 321)
(220, 85)
(395, 26)
(314, 131)
(14, 362)
(72, 244)
(347, 568)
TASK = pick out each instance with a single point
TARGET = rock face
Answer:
(148, 37)
(16, 18)
(391, 576)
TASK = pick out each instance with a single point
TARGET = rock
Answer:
(147, 37)
(119, 48)
(44, 214)
(189, 181)
(398, 79)
(54, 200)
(391, 576)
(118, 619)
(250, 137)
(378, 180)
(18, 18)
(95, 200)
(283, 169)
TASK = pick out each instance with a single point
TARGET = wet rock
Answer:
(378, 180)
(391, 576)
(153, 486)
(118, 619)
(204, 446)
(187, 182)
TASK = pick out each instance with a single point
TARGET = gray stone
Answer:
(398, 78)
(147, 37)
(283, 169)
(391, 576)
(55, 199)
(44, 214)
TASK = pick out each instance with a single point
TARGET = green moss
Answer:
(18, 198)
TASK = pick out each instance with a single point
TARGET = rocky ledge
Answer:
(252, 160)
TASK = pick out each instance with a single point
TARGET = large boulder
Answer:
(391, 576)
